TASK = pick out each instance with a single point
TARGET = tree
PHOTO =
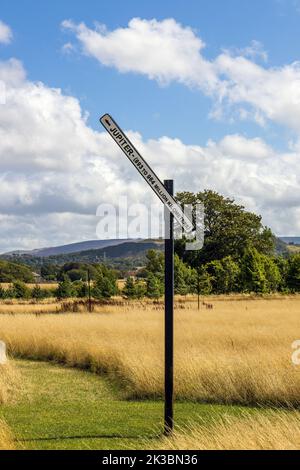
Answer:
(155, 263)
(77, 271)
(133, 289)
(65, 289)
(180, 286)
(293, 273)
(272, 273)
(224, 275)
(204, 282)
(140, 289)
(253, 276)
(49, 272)
(76, 275)
(129, 288)
(105, 284)
(11, 272)
(228, 228)
(155, 287)
(20, 290)
(37, 293)
(184, 277)
(283, 265)
(3, 293)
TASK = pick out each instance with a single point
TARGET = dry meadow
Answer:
(272, 431)
(10, 387)
(238, 351)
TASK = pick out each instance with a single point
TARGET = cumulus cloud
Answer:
(6, 34)
(166, 51)
(161, 50)
(55, 170)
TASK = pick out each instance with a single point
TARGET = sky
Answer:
(209, 91)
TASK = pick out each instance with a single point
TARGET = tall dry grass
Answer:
(238, 352)
(10, 387)
(275, 431)
(10, 383)
(43, 285)
(6, 437)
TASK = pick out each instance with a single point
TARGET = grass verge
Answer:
(65, 408)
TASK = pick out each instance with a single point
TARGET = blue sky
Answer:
(230, 24)
(222, 122)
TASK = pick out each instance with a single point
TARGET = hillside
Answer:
(127, 254)
(70, 248)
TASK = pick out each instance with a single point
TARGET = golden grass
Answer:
(10, 386)
(13, 307)
(10, 383)
(6, 437)
(273, 431)
(238, 352)
(44, 285)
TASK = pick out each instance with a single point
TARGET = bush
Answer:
(65, 289)
(20, 290)
(133, 289)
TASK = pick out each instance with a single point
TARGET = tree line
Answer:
(238, 256)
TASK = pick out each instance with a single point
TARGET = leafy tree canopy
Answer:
(228, 229)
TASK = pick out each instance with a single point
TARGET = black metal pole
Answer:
(169, 314)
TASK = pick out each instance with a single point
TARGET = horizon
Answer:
(16, 250)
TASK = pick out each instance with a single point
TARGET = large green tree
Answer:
(228, 229)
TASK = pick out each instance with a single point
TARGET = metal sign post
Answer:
(169, 314)
(172, 210)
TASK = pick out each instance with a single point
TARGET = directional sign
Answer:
(147, 173)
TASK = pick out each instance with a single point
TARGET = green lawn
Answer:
(64, 408)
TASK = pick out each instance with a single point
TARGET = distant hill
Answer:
(281, 248)
(127, 253)
(71, 248)
(123, 250)
(291, 240)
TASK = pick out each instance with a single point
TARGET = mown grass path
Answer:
(64, 408)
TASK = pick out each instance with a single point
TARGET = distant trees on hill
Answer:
(238, 256)
(254, 272)
(10, 272)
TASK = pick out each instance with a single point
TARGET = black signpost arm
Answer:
(169, 314)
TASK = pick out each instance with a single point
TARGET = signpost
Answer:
(147, 173)
(172, 210)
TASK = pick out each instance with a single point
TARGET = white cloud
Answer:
(163, 51)
(254, 50)
(166, 51)
(6, 34)
(68, 48)
(55, 169)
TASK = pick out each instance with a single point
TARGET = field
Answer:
(229, 360)
(44, 285)
(10, 388)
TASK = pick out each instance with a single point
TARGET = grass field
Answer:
(238, 352)
(65, 408)
(272, 430)
(10, 388)
(44, 285)
(229, 360)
